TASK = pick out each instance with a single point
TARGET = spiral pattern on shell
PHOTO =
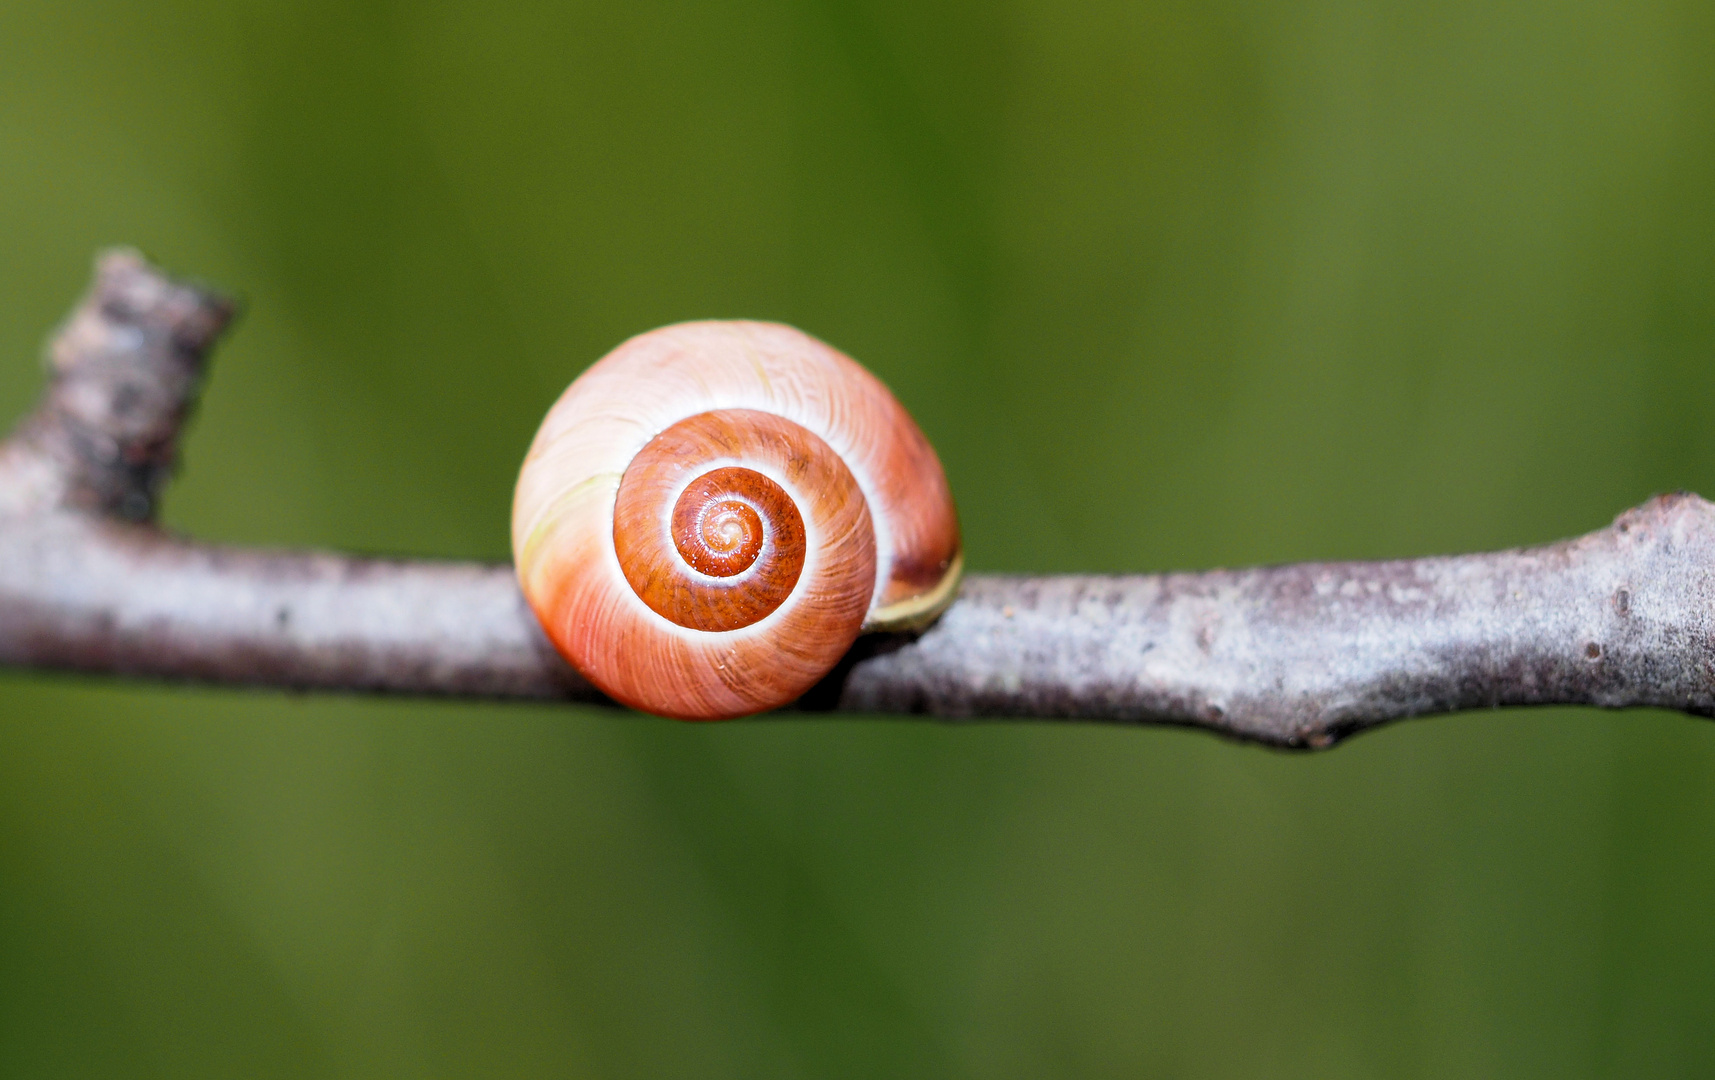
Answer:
(712, 513)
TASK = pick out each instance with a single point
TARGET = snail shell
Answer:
(712, 513)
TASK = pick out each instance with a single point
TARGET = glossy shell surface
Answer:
(712, 512)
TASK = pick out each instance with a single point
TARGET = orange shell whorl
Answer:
(712, 512)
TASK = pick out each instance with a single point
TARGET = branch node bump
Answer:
(124, 371)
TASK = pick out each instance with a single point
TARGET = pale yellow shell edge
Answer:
(918, 612)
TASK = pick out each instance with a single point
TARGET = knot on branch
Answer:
(124, 372)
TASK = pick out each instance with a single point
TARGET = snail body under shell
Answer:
(712, 513)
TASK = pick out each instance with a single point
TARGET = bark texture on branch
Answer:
(1290, 655)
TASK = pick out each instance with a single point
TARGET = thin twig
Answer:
(1297, 655)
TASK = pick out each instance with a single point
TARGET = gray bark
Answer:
(1295, 656)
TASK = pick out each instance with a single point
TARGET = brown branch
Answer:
(1291, 655)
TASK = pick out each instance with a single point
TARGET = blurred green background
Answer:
(1170, 284)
